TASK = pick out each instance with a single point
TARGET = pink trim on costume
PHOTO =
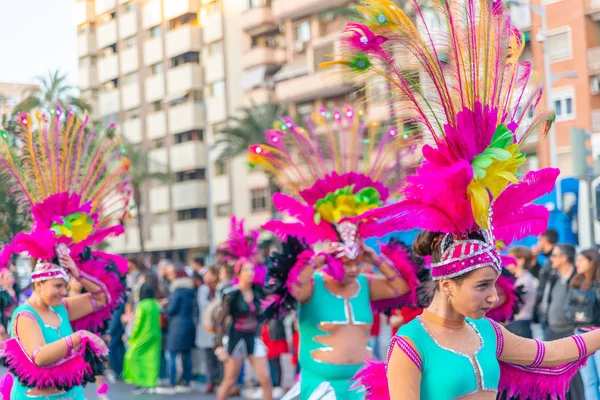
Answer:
(499, 337)
(410, 352)
(540, 354)
(104, 388)
(35, 353)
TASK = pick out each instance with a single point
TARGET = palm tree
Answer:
(53, 89)
(143, 171)
(246, 130)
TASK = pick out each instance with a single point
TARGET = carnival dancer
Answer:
(471, 105)
(347, 167)
(241, 308)
(74, 181)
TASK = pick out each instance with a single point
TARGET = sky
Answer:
(37, 36)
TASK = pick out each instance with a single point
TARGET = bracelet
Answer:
(94, 303)
(69, 341)
(97, 292)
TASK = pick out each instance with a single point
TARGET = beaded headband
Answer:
(46, 271)
(464, 255)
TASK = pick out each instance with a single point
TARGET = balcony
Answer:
(106, 34)
(220, 190)
(190, 194)
(103, 6)
(108, 68)
(127, 25)
(259, 96)
(188, 155)
(155, 88)
(109, 103)
(158, 160)
(214, 68)
(212, 27)
(88, 77)
(182, 40)
(160, 237)
(175, 8)
(520, 16)
(378, 112)
(192, 233)
(132, 130)
(159, 199)
(257, 18)
(268, 56)
(129, 60)
(156, 125)
(186, 117)
(151, 14)
(86, 44)
(84, 12)
(183, 79)
(594, 61)
(153, 51)
(283, 9)
(131, 96)
(595, 121)
(310, 87)
(593, 9)
(216, 110)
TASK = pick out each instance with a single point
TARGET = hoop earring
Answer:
(449, 298)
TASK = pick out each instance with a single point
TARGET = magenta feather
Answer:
(372, 380)
(531, 219)
(531, 187)
(507, 310)
(6, 384)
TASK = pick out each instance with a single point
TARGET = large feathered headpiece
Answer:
(335, 170)
(470, 102)
(72, 179)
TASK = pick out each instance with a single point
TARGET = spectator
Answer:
(205, 330)
(521, 325)
(134, 278)
(583, 309)
(543, 252)
(8, 297)
(198, 269)
(552, 310)
(182, 314)
(142, 359)
(116, 347)
(162, 272)
(274, 336)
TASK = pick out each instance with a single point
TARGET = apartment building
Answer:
(12, 94)
(169, 71)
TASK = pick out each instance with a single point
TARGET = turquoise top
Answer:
(436, 381)
(325, 307)
(51, 334)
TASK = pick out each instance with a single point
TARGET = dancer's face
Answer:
(246, 274)
(475, 294)
(351, 269)
(52, 291)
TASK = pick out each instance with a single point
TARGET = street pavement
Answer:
(122, 391)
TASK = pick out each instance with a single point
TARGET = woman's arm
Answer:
(84, 304)
(395, 280)
(404, 370)
(41, 353)
(220, 321)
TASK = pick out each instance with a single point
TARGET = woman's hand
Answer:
(67, 263)
(95, 339)
(369, 254)
(222, 354)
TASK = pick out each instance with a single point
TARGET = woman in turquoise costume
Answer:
(467, 197)
(331, 190)
(73, 181)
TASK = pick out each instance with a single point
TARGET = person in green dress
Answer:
(142, 359)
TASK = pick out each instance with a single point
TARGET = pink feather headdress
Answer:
(334, 171)
(465, 90)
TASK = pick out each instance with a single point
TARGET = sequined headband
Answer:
(46, 271)
(465, 255)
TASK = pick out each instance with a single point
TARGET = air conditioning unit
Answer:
(595, 85)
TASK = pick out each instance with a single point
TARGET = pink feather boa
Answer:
(538, 383)
(64, 374)
(114, 289)
(334, 267)
(372, 380)
(301, 262)
(408, 270)
(6, 384)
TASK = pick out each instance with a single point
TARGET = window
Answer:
(215, 48)
(87, 62)
(223, 210)
(560, 44)
(188, 136)
(110, 119)
(131, 42)
(323, 54)
(157, 68)
(133, 113)
(156, 106)
(220, 168)
(129, 7)
(192, 213)
(195, 96)
(259, 199)
(213, 8)
(217, 89)
(303, 31)
(161, 218)
(131, 78)
(158, 143)
(155, 31)
(190, 175)
(109, 50)
(190, 57)
(183, 20)
(564, 104)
